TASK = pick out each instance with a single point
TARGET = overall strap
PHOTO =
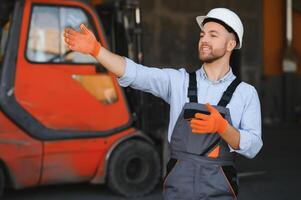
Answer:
(227, 95)
(192, 89)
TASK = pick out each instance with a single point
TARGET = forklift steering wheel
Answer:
(58, 56)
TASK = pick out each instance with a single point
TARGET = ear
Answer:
(231, 45)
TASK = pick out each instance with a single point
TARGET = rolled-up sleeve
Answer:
(129, 74)
(148, 79)
(250, 127)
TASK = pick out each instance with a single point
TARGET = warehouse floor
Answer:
(275, 174)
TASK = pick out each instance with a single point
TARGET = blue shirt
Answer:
(172, 86)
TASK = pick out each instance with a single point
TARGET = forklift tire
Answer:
(2, 182)
(134, 169)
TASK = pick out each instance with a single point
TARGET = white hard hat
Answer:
(229, 18)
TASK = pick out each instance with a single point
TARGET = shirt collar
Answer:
(227, 76)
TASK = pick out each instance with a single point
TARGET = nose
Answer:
(203, 38)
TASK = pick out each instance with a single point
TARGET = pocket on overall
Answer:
(201, 144)
(230, 175)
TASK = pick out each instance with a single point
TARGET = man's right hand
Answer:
(83, 41)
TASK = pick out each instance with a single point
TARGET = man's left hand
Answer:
(213, 123)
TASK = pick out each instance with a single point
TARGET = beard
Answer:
(212, 55)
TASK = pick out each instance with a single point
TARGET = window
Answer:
(6, 10)
(100, 86)
(4, 30)
(46, 42)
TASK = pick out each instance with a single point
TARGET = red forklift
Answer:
(63, 117)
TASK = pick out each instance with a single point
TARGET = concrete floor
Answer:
(280, 164)
(275, 174)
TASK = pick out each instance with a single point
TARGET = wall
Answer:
(171, 33)
(171, 36)
(278, 99)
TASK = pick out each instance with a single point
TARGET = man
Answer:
(203, 138)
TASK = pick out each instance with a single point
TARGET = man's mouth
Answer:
(205, 49)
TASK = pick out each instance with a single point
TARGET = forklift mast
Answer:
(122, 23)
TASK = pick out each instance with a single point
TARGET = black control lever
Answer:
(99, 68)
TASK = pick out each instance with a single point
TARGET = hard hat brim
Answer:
(200, 20)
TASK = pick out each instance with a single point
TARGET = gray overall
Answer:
(201, 165)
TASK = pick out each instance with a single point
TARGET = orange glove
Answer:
(83, 41)
(213, 123)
